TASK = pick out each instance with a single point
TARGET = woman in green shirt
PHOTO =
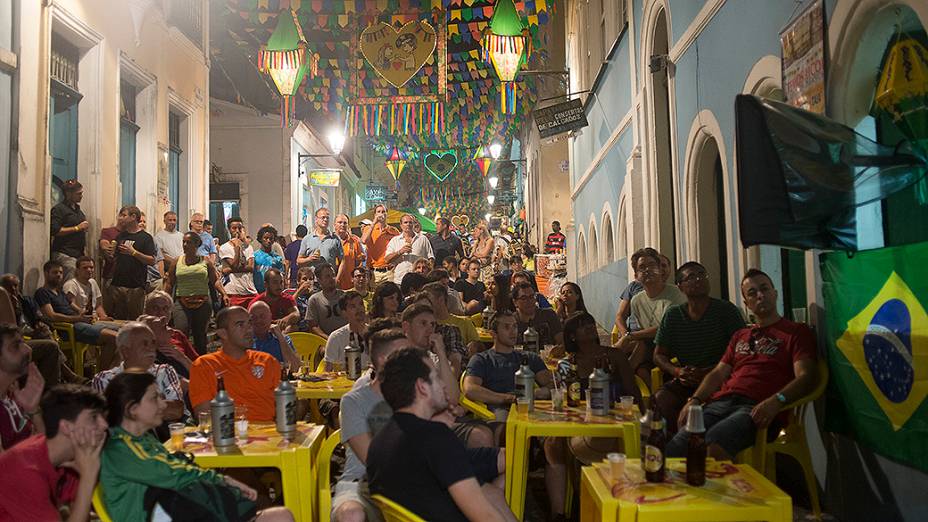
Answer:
(138, 472)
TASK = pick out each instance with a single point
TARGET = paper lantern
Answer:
(506, 44)
(287, 59)
(396, 162)
(484, 159)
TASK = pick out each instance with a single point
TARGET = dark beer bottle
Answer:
(695, 447)
(655, 460)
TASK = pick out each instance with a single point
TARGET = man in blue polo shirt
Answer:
(270, 338)
(322, 246)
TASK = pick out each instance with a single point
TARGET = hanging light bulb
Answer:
(495, 150)
(422, 211)
(491, 198)
(487, 216)
(493, 180)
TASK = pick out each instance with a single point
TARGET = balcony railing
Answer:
(187, 16)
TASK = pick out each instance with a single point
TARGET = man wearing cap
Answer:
(69, 228)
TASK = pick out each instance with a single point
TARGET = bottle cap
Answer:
(694, 420)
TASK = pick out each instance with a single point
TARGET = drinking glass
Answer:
(177, 434)
(241, 421)
(205, 419)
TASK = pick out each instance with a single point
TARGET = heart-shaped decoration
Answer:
(456, 221)
(440, 163)
(465, 219)
(398, 55)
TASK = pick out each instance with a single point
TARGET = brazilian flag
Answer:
(877, 332)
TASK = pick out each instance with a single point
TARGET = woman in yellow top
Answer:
(190, 278)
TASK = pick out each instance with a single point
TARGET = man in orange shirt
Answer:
(250, 376)
(353, 252)
(376, 237)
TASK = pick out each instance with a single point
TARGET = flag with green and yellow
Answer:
(877, 330)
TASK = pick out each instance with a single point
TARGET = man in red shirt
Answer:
(765, 367)
(19, 403)
(46, 471)
(283, 307)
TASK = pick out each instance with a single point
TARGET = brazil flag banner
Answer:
(877, 332)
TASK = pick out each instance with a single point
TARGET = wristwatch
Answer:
(781, 398)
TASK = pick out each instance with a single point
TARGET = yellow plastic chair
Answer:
(479, 409)
(67, 340)
(393, 512)
(790, 441)
(98, 506)
(323, 472)
(645, 393)
(477, 319)
(615, 334)
(308, 346)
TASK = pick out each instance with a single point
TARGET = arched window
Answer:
(608, 250)
(581, 254)
(592, 257)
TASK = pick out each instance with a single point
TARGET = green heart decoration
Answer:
(440, 163)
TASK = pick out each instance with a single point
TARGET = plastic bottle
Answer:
(222, 411)
(285, 406)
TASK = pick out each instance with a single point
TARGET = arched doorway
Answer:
(711, 216)
(659, 67)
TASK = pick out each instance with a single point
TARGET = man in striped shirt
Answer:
(556, 242)
(693, 334)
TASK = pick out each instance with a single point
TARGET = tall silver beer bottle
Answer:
(525, 387)
(222, 411)
(598, 391)
(285, 406)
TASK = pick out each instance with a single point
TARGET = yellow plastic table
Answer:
(731, 492)
(545, 422)
(332, 386)
(265, 448)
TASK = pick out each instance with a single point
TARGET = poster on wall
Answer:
(802, 43)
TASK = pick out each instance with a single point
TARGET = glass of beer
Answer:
(177, 434)
(241, 422)
(616, 466)
(205, 419)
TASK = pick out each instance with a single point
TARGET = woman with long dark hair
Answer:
(569, 301)
(386, 301)
(137, 472)
(498, 294)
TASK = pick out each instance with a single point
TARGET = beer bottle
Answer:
(222, 411)
(353, 359)
(695, 447)
(655, 460)
(530, 340)
(285, 406)
(598, 390)
(525, 387)
(645, 424)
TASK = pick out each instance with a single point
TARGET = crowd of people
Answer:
(408, 300)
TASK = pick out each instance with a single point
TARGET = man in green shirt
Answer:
(691, 339)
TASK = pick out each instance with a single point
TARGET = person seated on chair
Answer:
(419, 463)
(270, 338)
(283, 307)
(351, 308)
(363, 414)
(322, 308)
(696, 334)
(46, 471)
(176, 350)
(20, 399)
(137, 346)
(250, 376)
(765, 367)
(648, 307)
(527, 312)
(138, 471)
(55, 306)
(306, 287)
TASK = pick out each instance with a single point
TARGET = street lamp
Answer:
(493, 180)
(495, 150)
(336, 141)
(491, 198)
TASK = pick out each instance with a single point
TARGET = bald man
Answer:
(269, 338)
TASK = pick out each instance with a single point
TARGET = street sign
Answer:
(562, 117)
(376, 193)
(324, 177)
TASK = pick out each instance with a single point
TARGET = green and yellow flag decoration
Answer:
(877, 330)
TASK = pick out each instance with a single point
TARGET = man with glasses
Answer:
(405, 249)
(207, 246)
(321, 246)
(544, 320)
(648, 308)
(376, 237)
(69, 228)
(361, 283)
(765, 367)
(695, 334)
(353, 254)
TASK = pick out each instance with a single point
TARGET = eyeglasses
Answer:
(695, 276)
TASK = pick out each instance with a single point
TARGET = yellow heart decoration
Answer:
(398, 55)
